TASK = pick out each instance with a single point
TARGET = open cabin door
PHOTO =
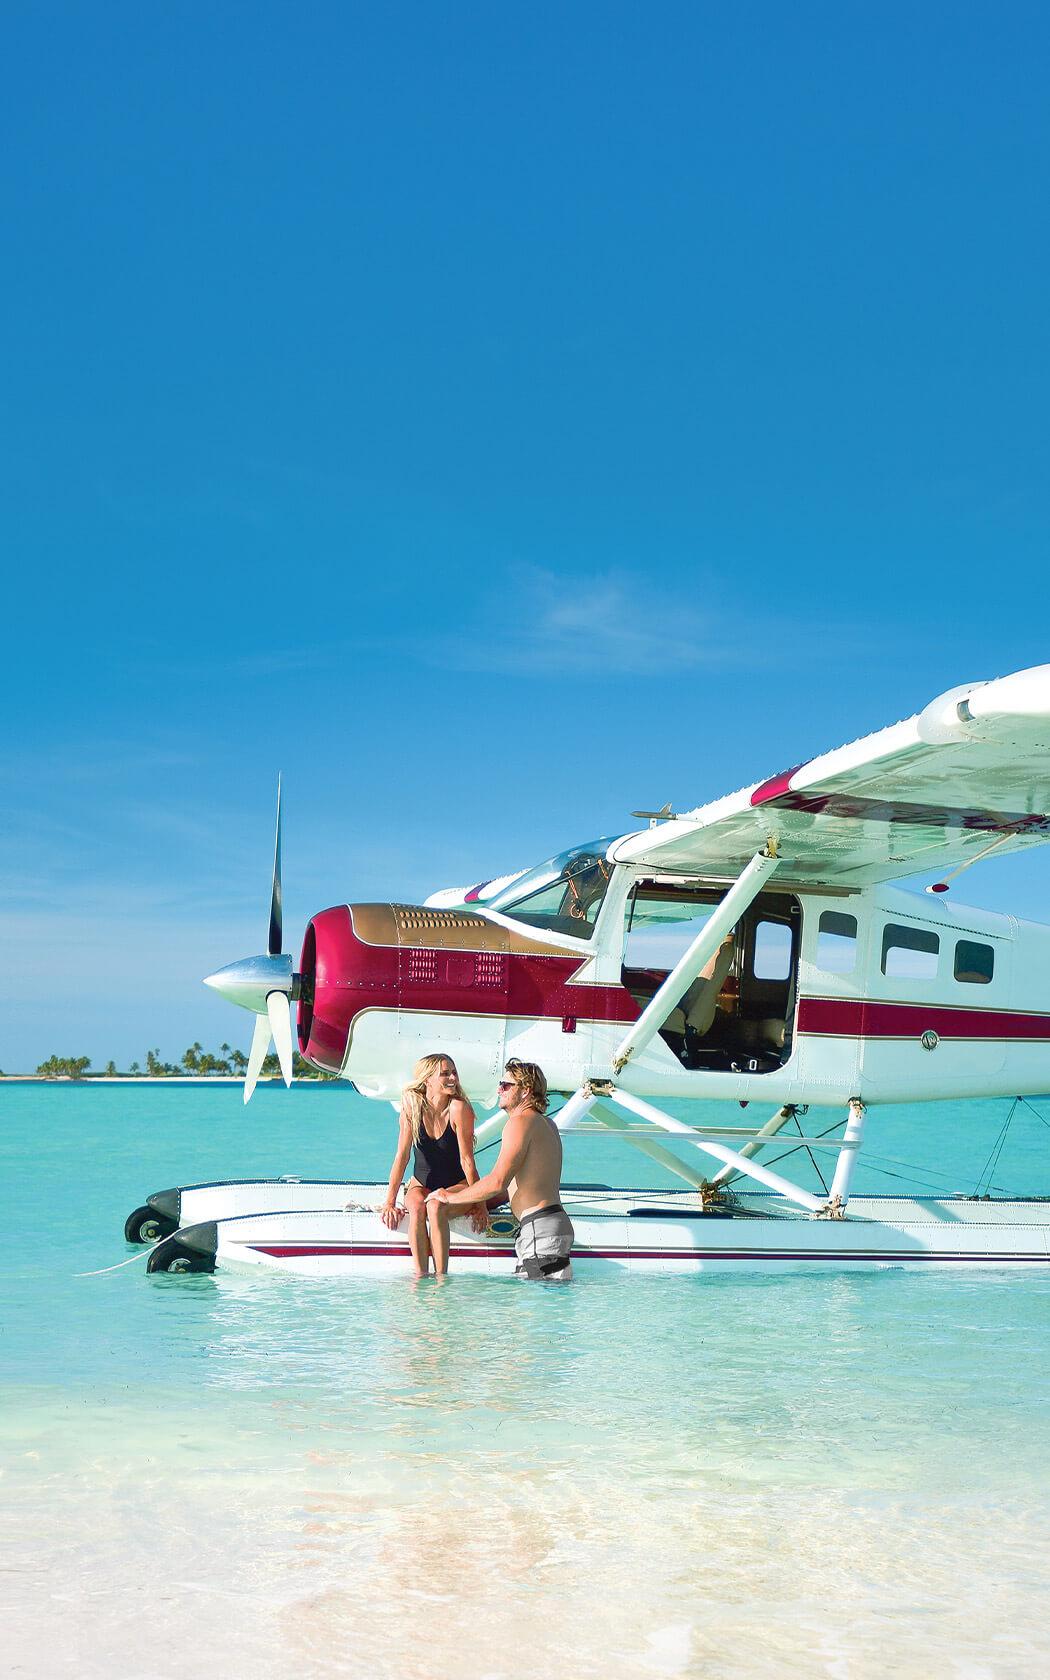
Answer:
(739, 1015)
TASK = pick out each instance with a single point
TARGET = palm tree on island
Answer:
(196, 1063)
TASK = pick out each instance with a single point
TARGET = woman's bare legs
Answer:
(437, 1214)
(416, 1203)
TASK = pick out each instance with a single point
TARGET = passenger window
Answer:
(974, 964)
(772, 951)
(836, 942)
(909, 953)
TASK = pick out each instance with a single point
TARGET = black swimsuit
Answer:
(437, 1165)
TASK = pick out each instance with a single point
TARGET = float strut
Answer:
(656, 1152)
(576, 1109)
(769, 1130)
(730, 1157)
(835, 1206)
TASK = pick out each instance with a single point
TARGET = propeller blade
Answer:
(257, 1054)
(279, 1011)
(275, 938)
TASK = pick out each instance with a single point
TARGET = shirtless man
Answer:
(529, 1164)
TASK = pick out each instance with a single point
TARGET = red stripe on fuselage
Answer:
(863, 1018)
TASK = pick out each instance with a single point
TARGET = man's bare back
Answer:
(537, 1177)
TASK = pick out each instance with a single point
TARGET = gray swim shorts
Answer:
(543, 1243)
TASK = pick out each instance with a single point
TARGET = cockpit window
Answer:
(563, 895)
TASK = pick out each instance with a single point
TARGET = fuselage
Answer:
(877, 994)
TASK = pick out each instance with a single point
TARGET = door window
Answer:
(661, 926)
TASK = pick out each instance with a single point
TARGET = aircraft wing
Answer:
(970, 770)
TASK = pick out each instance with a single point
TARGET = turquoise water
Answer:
(732, 1476)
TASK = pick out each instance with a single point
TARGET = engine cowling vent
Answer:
(410, 918)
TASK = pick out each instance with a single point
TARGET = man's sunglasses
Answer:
(506, 1084)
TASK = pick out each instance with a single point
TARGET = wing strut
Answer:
(686, 970)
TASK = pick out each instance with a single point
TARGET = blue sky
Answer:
(496, 419)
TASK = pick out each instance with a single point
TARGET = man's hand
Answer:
(438, 1196)
(391, 1215)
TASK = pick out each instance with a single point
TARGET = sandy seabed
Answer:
(487, 1563)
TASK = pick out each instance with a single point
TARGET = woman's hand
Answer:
(391, 1215)
(479, 1218)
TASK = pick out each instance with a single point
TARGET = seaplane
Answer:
(758, 950)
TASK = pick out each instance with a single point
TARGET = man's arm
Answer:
(463, 1120)
(463, 1116)
(511, 1155)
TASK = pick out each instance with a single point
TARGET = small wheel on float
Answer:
(172, 1255)
(146, 1225)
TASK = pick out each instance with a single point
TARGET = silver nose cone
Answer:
(249, 982)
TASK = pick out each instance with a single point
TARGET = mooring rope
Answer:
(129, 1262)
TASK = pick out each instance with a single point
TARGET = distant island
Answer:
(196, 1063)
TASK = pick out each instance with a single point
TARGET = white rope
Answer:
(130, 1262)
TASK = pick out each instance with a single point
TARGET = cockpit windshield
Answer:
(562, 895)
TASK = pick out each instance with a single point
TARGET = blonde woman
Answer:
(437, 1121)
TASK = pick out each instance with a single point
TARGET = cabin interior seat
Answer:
(773, 1029)
(697, 1008)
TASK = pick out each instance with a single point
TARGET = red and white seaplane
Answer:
(753, 950)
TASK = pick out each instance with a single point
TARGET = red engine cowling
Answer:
(341, 975)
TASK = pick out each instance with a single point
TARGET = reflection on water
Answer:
(721, 1477)
(640, 1476)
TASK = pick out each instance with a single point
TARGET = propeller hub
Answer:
(250, 981)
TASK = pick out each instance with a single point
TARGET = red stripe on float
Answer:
(286, 1251)
(892, 1256)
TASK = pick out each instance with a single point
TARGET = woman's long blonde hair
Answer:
(414, 1094)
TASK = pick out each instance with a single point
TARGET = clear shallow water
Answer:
(729, 1476)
